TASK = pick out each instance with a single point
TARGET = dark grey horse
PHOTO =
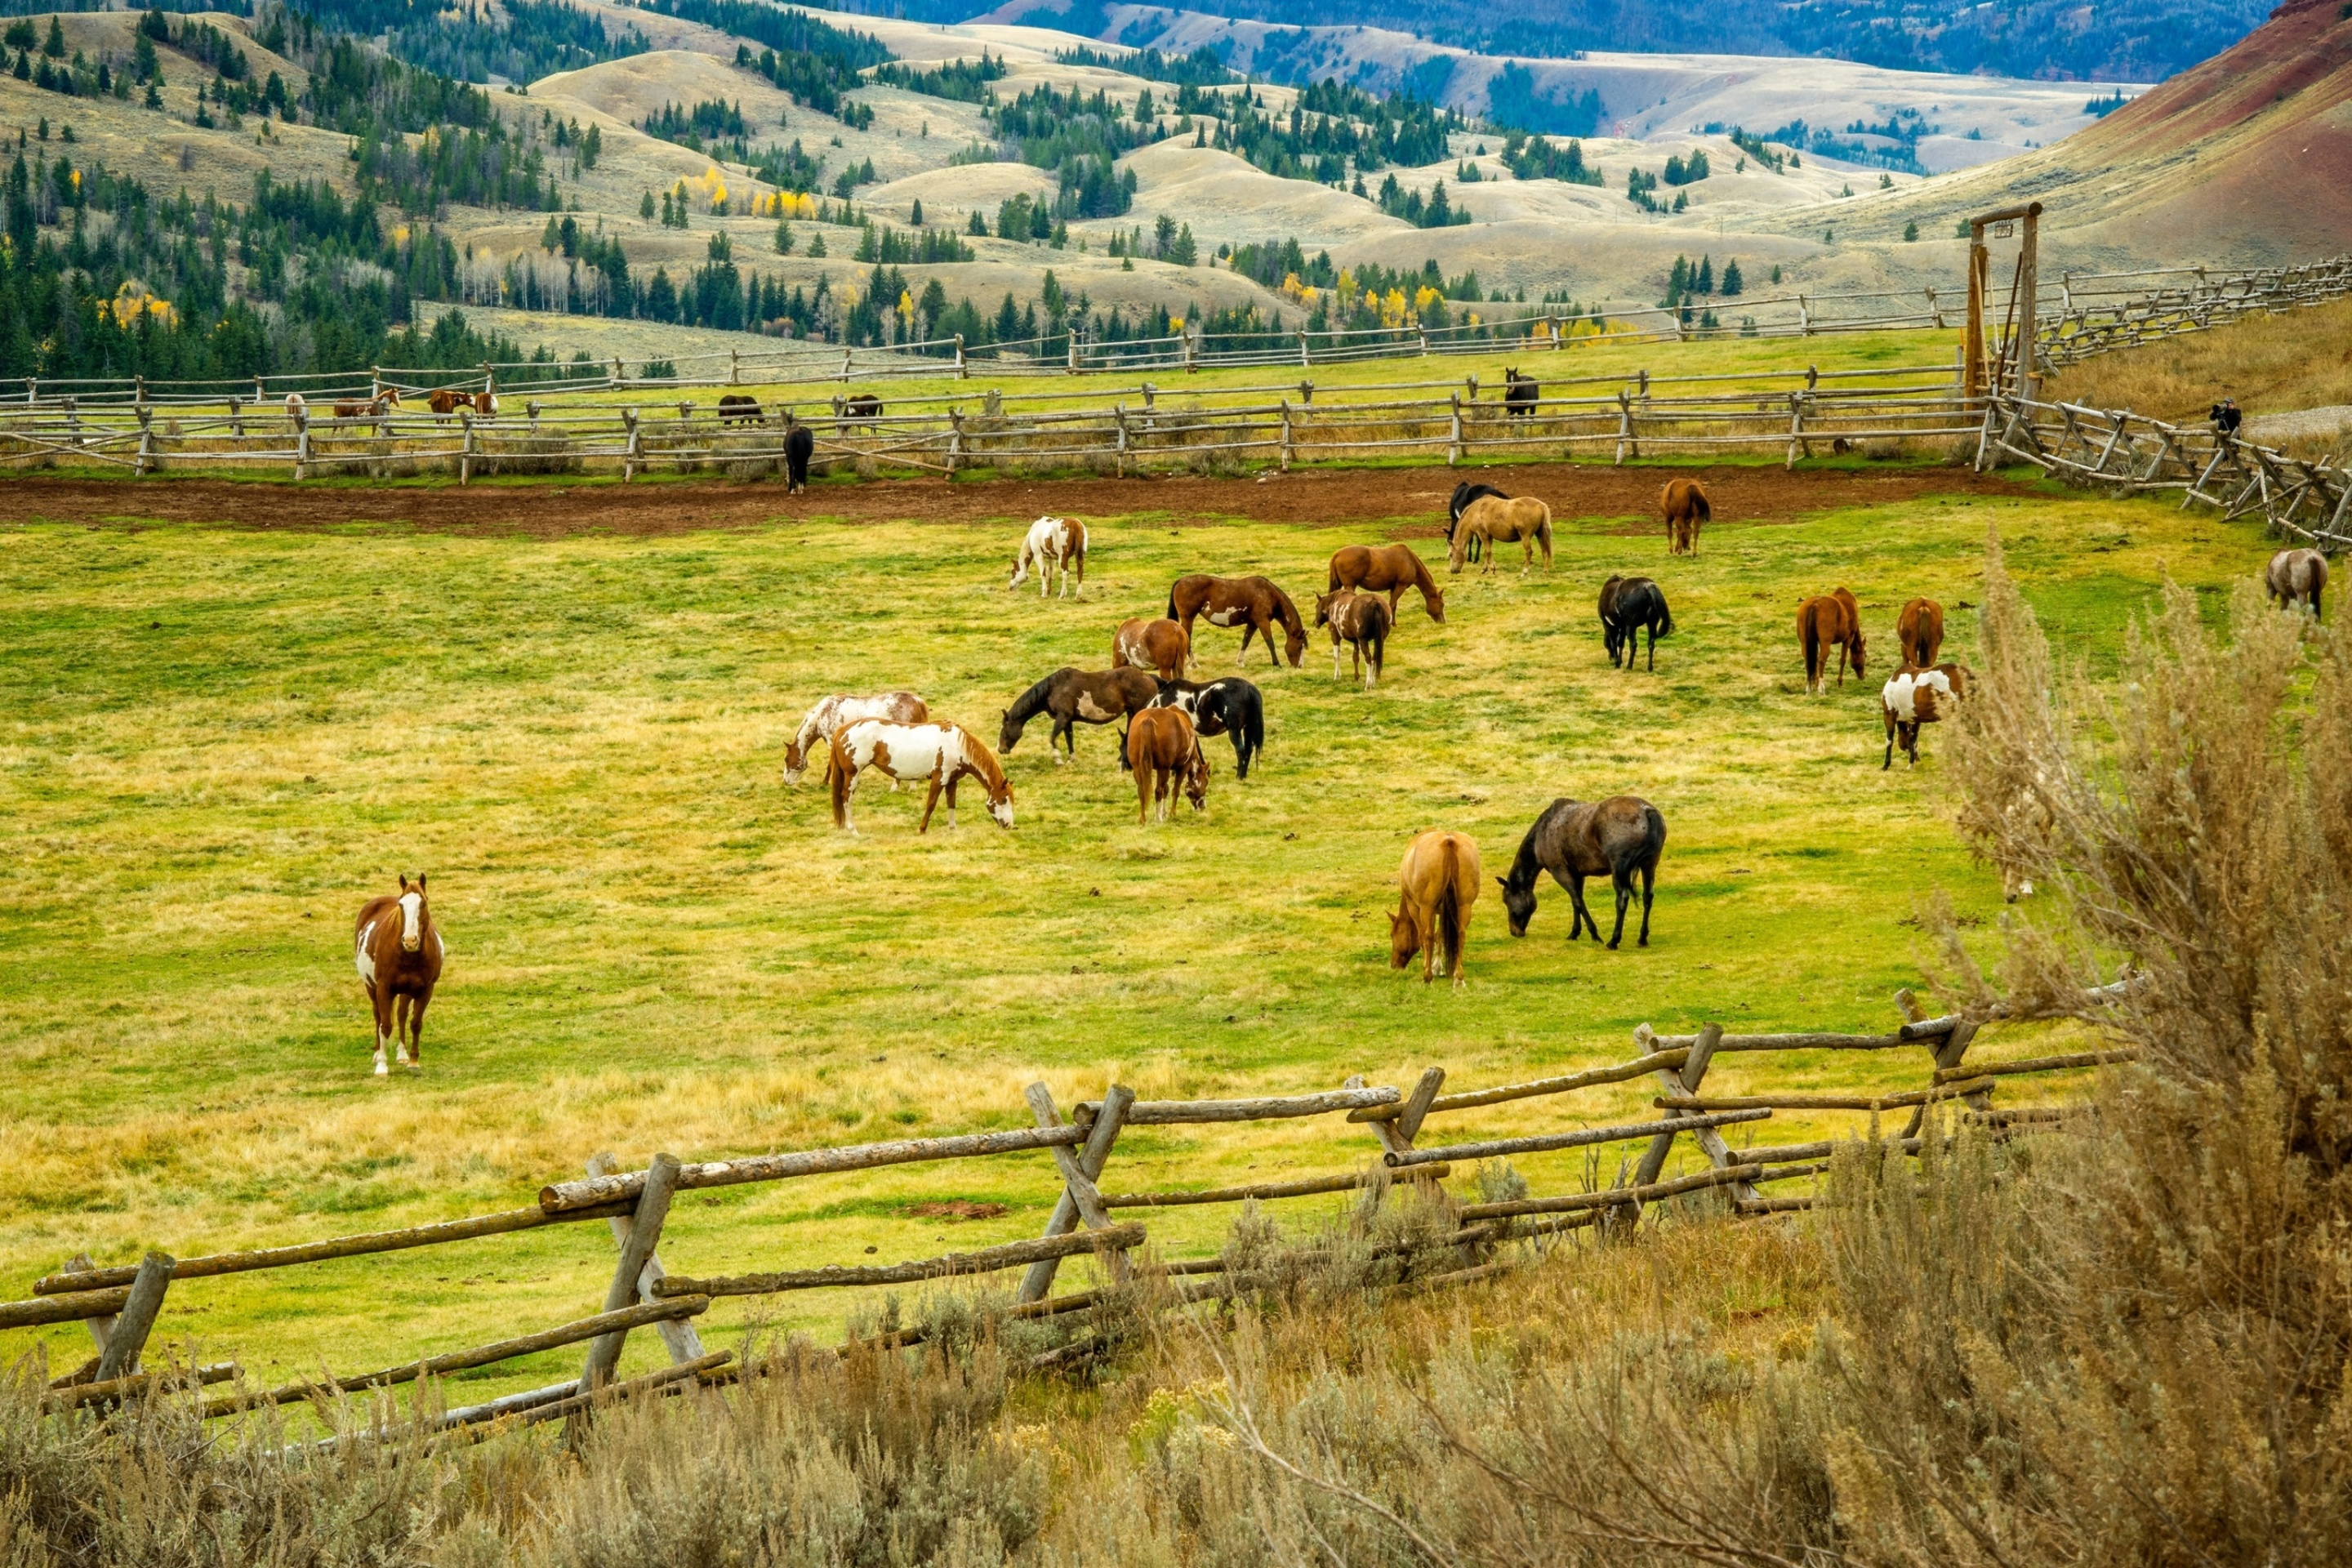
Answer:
(1628, 607)
(1574, 840)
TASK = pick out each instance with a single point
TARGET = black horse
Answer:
(1463, 494)
(1073, 697)
(800, 445)
(1574, 840)
(1520, 393)
(1227, 707)
(1628, 605)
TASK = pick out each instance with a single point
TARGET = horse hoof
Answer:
(381, 1071)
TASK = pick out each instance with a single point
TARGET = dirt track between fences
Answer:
(1742, 495)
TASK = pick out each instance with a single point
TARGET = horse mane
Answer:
(981, 759)
(1290, 621)
(1032, 702)
(1527, 863)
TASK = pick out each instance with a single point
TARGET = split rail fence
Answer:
(121, 1304)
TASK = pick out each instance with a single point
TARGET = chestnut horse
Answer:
(2297, 577)
(1440, 881)
(1686, 506)
(1072, 696)
(1526, 522)
(832, 712)
(1162, 647)
(1054, 543)
(1388, 569)
(942, 753)
(1253, 604)
(1361, 621)
(1830, 620)
(1919, 632)
(398, 952)
(1574, 840)
(1164, 750)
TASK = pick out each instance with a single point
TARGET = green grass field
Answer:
(219, 741)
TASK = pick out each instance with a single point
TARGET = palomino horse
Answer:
(1463, 494)
(1919, 632)
(1572, 840)
(1361, 621)
(1915, 695)
(1054, 543)
(1525, 523)
(1685, 506)
(2297, 577)
(1440, 881)
(832, 712)
(1830, 620)
(1228, 706)
(398, 952)
(1388, 569)
(1630, 605)
(1073, 697)
(942, 753)
(1252, 604)
(1159, 646)
(1164, 753)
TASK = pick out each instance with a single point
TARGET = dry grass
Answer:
(2271, 365)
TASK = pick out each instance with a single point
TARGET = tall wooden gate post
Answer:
(678, 1334)
(645, 1232)
(1080, 1200)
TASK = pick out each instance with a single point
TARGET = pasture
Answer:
(226, 727)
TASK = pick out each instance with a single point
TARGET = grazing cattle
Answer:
(1053, 542)
(1628, 607)
(1914, 696)
(832, 712)
(1252, 604)
(1685, 507)
(1073, 696)
(1164, 751)
(398, 950)
(1228, 706)
(1572, 840)
(1388, 569)
(2297, 577)
(1361, 621)
(1520, 393)
(1439, 879)
(943, 754)
(865, 408)
(1157, 646)
(1463, 494)
(739, 408)
(1830, 620)
(800, 445)
(1526, 522)
(1919, 632)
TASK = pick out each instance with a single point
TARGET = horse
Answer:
(1830, 620)
(486, 404)
(1628, 607)
(942, 753)
(2297, 577)
(1163, 752)
(1525, 523)
(295, 408)
(1159, 646)
(1915, 695)
(1053, 542)
(865, 408)
(1574, 839)
(1073, 697)
(445, 401)
(832, 712)
(398, 952)
(1440, 879)
(739, 408)
(800, 445)
(1228, 706)
(1685, 507)
(1520, 395)
(1388, 569)
(1463, 494)
(1919, 632)
(1361, 621)
(368, 408)
(1252, 604)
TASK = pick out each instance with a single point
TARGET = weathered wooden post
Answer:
(1947, 1052)
(301, 443)
(146, 463)
(1553, 323)
(465, 451)
(1074, 352)
(620, 371)
(73, 420)
(1796, 429)
(1453, 431)
(1286, 435)
(1306, 360)
(490, 378)
(1149, 392)
(1626, 445)
(1654, 1159)
(955, 439)
(962, 370)
(1424, 340)
(645, 1234)
(236, 418)
(632, 454)
(128, 1337)
(1118, 412)
(734, 367)
(678, 1334)
(1191, 346)
(1080, 1201)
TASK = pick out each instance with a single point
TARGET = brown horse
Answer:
(1919, 632)
(944, 754)
(1165, 752)
(1071, 697)
(1572, 840)
(374, 408)
(1361, 621)
(1252, 604)
(1525, 522)
(445, 401)
(486, 404)
(1685, 507)
(398, 952)
(1388, 569)
(1440, 881)
(1830, 620)
(1159, 646)
(1914, 696)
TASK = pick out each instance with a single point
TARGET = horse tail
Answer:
(1653, 844)
(1809, 632)
(1702, 509)
(1171, 604)
(1249, 723)
(1665, 621)
(837, 780)
(1448, 908)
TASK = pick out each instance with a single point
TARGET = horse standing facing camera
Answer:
(397, 950)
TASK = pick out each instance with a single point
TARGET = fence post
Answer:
(1553, 323)
(259, 396)
(33, 389)
(236, 418)
(632, 454)
(466, 452)
(678, 1334)
(1625, 445)
(73, 420)
(1804, 318)
(1286, 435)
(1119, 413)
(1454, 433)
(734, 367)
(1796, 429)
(1080, 1201)
(1424, 340)
(955, 436)
(100, 1327)
(128, 1337)
(1654, 1159)
(644, 1233)
(1305, 360)
(490, 378)
(1191, 346)
(1074, 353)
(1954, 1047)
(375, 382)
(146, 441)
(620, 371)
(1149, 392)
(962, 370)
(301, 443)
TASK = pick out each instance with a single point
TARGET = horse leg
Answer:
(954, 779)
(1622, 883)
(1649, 881)
(416, 1030)
(400, 1004)
(1066, 732)
(379, 1007)
(929, 805)
(1575, 885)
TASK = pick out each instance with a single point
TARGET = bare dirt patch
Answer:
(957, 1209)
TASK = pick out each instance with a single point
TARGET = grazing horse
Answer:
(1685, 507)
(800, 446)
(1361, 621)
(1159, 645)
(1628, 607)
(1572, 840)
(1830, 620)
(1440, 881)
(1252, 604)
(1919, 632)
(1073, 697)
(739, 408)
(486, 404)
(832, 712)
(1053, 543)
(295, 408)
(1520, 395)
(1915, 695)
(398, 952)
(1525, 523)
(2297, 577)
(1463, 494)
(1163, 750)
(942, 753)
(1228, 706)
(1388, 569)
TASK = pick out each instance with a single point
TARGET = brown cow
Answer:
(1165, 752)
(1832, 620)
(1914, 696)
(1686, 506)
(1159, 646)
(1919, 632)
(1388, 569)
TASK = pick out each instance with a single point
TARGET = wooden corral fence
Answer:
(1090, 1217)
(2091, 315)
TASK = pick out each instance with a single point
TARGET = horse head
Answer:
(999, 800)
(1323, 603)
(411, 913)
(1854, 646)
(1404, 940)
(1196, 778)
(1518, 904)
(1436, 596)
(1008, 733)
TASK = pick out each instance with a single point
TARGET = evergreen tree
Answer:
(1008, 321)
(784, 238)
(1732, 282)
(917, 216)
(1705, 282)
(646, 206)
(978, 225)
(54, 46)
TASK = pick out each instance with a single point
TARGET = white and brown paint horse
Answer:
(1054, 543)
(2297, 578)
(397, 950)
(1253, 604)
(1360, 621)
(944, 754)
(1163, 750)
(1159, 645)
(832, 712)
(375, 408)
(1525, 522)
(1914, 696)
(1439, 880)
